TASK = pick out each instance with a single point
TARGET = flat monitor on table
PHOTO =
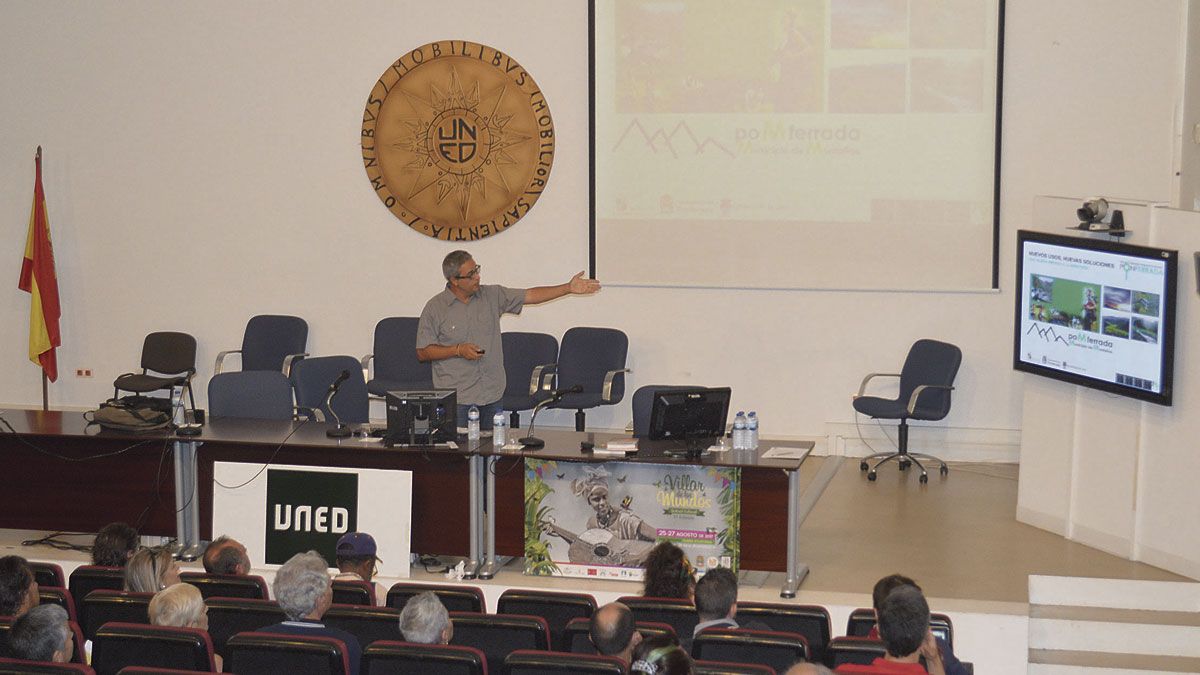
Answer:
(424, 417)
(695, 416)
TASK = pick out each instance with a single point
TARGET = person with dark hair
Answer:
(115, 544)
(661, 655)
(459, 331)
(357, 560)
(885, 586)
(716, 603)
(613, 632)
(18, 589)
(226, 556)
(668, 574)
(42, 634)
(904, 628)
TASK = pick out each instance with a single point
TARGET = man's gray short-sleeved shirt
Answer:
(446, 320)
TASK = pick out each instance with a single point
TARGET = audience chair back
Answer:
(87, 578)
(723, 668)
(848, 649)
(556, 608)
(455, 598)
(577, 637)
(229, 616)
(643, 404)
(400, 658)
(48, 574)
(395, 357)
(593, 358)
(152, 670)
(775, 649)
(170, 354)
(18, 666)
(368, 624)
(679, 614)
(270, 653)
(534, 662)
(862, 620)
(254, 394)
(811, 621)
(498, 635)
(227, 585)
(353, 592)
(105, 606)
(311, 379)
(49, 595)
(118, 644)
(530, 360)
(271, 338)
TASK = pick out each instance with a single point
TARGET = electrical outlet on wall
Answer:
(83, 372)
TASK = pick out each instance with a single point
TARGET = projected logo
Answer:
(457, 140)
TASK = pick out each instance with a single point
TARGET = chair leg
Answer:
(580, 418)
(903, 458)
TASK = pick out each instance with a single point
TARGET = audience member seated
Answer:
(115, 544)
(668, 573)
(661, 656)
(424, 620)
(150, 570)
(716, 601)
(803, 668)
(885, 586)
(903, 621)
(612, 632)
(226, 556)
(43, 634)
(305, 592)
(182, 606)
(356, 561)
(18, 589)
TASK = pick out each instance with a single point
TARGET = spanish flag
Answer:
(39, 280)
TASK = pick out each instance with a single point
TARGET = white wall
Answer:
(202, 165)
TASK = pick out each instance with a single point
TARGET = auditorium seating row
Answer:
(278, 376)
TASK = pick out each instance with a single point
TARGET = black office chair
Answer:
(395, 357)
(643, 404)
(529, 365)
(270, 342)
(312, 377)
(925, 385)
(172, 355)
(594, 359)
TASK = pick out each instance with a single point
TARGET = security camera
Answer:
(1092, 211)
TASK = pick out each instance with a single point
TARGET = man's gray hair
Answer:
(423, 619)
(300, 583)
(452, 262)
(39, 633)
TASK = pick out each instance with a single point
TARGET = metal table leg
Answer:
(799, 506)
(475, 465)
(488, 570)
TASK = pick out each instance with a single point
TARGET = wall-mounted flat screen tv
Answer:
(1096, 313)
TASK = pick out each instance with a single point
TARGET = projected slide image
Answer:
(948, 24)
(1116, 326)
(869, 24)
(876, 88)
(1070, 303)
(1145, 330)
(1117, 298)
(947, 85)
(1146, 304)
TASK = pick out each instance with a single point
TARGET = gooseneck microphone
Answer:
(532, 442)
(338, 430)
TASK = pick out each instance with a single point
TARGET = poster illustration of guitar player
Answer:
(602, 519)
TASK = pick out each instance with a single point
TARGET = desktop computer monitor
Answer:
(421, 417)
(696, 415)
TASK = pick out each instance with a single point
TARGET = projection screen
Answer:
(826, 144)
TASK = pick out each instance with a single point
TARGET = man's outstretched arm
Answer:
(578, 285)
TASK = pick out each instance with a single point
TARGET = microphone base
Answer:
(532, 443)
(339, 431)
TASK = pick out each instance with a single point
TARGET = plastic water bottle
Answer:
(739, 431)
(499, 429)
(752, 431)
(473, 423)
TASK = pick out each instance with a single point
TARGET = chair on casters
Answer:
(925, 385)
(593, 359)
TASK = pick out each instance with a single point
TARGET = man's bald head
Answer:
(808, 669)
(226, 556)
(612, 631)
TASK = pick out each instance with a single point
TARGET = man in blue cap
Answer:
(357, 560)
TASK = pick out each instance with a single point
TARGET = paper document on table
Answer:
(785, 453)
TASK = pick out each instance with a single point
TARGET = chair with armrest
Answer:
(925, 385)
(395, 357)
(529, 367)
(312, 377)
(593, 359)
(270, 342)
(172, 355)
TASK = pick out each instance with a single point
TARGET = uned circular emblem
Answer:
(457, 140)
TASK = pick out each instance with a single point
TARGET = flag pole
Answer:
(45, 391)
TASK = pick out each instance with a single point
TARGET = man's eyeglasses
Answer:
(470, 275)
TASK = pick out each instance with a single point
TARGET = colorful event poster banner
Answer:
(601, 520)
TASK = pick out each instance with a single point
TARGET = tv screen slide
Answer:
(1096, 313)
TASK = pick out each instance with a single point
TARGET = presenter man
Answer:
(459, 331)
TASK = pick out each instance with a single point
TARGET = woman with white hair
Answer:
(181, 605)
(150, 570)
